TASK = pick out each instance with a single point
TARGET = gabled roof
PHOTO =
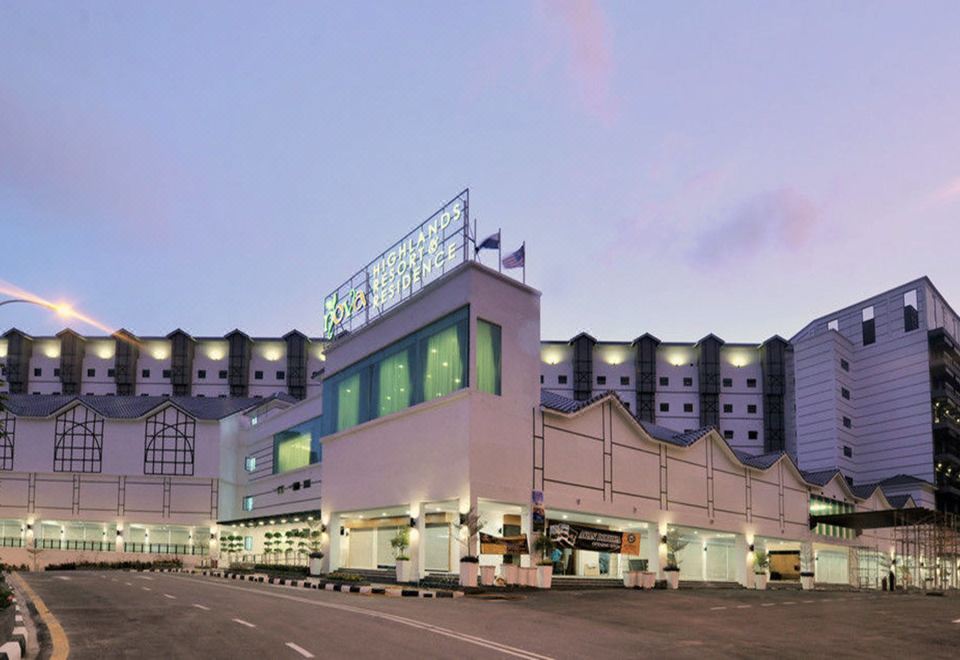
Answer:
(584, 335)
(236, 331)
(294, 333)
(132, 407)
(70, 331)
(820, 477)
(180, 331)
(711, 336)
(761, 462)
(903, 480)
(646, 335)
(899, 501)
(16, 331)
(775, 338)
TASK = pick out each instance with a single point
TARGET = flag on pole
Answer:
(491, 242)
(515, 259)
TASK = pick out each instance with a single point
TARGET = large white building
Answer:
(432, 395)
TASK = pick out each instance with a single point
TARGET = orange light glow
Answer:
(62, 309)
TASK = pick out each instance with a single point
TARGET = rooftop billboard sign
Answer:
(427, 253)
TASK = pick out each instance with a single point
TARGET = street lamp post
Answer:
(62, 309)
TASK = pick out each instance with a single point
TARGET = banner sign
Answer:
(567, 535)
(506, 545)
(538, 514)
(427, 253)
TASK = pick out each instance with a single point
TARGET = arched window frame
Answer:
(78, 441)
(168, 443)
(8, 427)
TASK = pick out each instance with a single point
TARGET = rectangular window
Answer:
(222, 374)
(845, 393)
(248, 543)
(728, 408)
(145, 373)
(624, 380)
(166, 373)
(688, 407)
(297, 447)
(488, 357)
(37, 373)
(847, 451)
(664, 407)
(728, 382)
(833, 325)
(752, 435)
(258, 375)
(281, 375)
(844, 365)
(752, 408)
(56, 373)
(348, 402)
(688, 382)
(443, 356)
(250, 463)
(869, 326)
(911, 318)
(248, 503)
(541, 379)
(111, 373)
(847, 423)
(394, 389)
(751, 382)
(728, 435)
(201, 374)
(601, 380)
(91, 373)
(561, 380)
(664, 381)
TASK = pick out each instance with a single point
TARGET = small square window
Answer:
(664, 407)
(281, 375)
(728, 435)
(624, 380)
(752, 435)
(222, 374)
(37, 373)
(201, 374)
(250, 463)
(562, 380)
(848, 451)
(165, 374)
(248, 503)
(664, 381)
(111, 373)
(248, 543)
(728, 408)
(847, 423)
(728, 382)
(688, 382)
(752, 408)
(145, 373)
(688, 407)
(258, 375)
(833, 325)
(541, 379)
(845, 393)
(844, 365)
(626, 404)
(601, 380)
(56, 373)
(751, 382)
(91, 373)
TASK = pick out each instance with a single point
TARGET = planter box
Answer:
(487, 575)
(528, 576)
(404, 571)
(648, 579)
(468, 573)
(316, 565)
(806, 582)
(631, 579)
(673, 579)
(510, 573)
(760, 581)
(544, 576)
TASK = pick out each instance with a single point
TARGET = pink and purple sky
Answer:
(678, 168)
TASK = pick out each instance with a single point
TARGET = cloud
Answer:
(587, 42)
(947, 193)
(772, 221)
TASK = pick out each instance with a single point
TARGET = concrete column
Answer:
(332, 560)
(418, 539)
(650, 548)
(526, 527)
(742, 549)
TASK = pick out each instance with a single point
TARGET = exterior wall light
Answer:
(663, 539)
(413, 522)
(751, 547)
(29, 527)
(119, 533)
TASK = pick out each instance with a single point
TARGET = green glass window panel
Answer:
(348, 402)
(293, 451)
(488, 357)
(393, 383)
(443, 370)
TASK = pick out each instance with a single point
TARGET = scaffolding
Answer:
(865, 569)
(927, 546)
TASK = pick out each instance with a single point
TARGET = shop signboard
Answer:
(503, 545)
(538, 514)
(581, 537)
(428, 252)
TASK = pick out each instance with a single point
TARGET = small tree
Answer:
(400, 542)
(472, 523)
(544, 545)
(289, 535)
(675, 544)
(761, 561)
(315, 538)
(806, 560)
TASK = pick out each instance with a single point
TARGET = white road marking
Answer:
(169, 596)
(245, 623)
(809, 601)
(767, 604)
(718, 608)
(129, 584)
(299, 649)
(790, 602)
(743, 607)
(144, 577)
(113, 579)
(413, 623)
(146, 588)
(62, 577)
(201, 607)
(956, 620)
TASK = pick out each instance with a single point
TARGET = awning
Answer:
(880, 519)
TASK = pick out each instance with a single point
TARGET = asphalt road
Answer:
(156, 615)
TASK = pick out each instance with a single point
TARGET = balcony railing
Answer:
(12, 542)
(165, 548)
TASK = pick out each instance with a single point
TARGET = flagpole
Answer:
(499, 249)
(476, 252)
(524, 247)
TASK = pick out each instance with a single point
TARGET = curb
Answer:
(312, 583)
(16, 647)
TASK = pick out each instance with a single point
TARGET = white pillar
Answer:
(418, 539)
(742, 549)
(650, 548)
(333, 559)
(526, 527)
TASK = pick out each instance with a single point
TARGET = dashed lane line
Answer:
(201, 607)
(129, 584)
(146, 588)
(62, 577)
(744, 607)
(767, 604)
(299, 649)
(169, 596)
(718, 608)
(413, 623)
(789, 602)
(245, 623)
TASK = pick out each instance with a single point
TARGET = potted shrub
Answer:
(671, 571)
(314, 536)
(509, 570)
(488, 575)
(470, 563)
(544, 545)
(637, 576)
(400, 542)
(806, 567)
(761, 560)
